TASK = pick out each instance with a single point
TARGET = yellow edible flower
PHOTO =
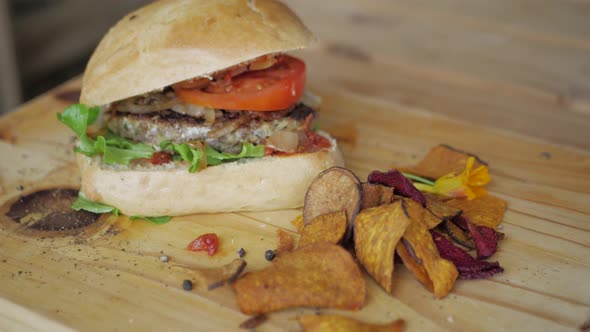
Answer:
(469, 183)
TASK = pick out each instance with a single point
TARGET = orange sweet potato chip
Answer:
(377, 232)
(438, 206)
(286, 242)
(320, 323)
(316, 275)
(442, 160)
(411, 263)
(428, 218)
(329, 227)
(441, 272)
(486, 211)
(298, 223)
(375, 195)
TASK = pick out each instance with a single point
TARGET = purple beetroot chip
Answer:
(397, 180)
(484, 238)
(468, 267)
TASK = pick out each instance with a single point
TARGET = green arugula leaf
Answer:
(78, 117)
(118, 150)
(114, 155)
(249, 150)
(186, 153)
(115, 149)
(154, 220)
(83, 203)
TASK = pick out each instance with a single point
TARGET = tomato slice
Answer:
(272, 89)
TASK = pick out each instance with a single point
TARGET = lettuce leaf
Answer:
(83, 203)
(118, 150)
(78, 117)
(185, 152)
(249, 150)
(194, 156)
(154, 220)
(114, 149)
(115, 155)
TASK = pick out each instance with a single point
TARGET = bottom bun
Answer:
(257, 184)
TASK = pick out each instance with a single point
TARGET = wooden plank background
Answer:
(507, 80)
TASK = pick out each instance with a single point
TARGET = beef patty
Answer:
(227, 133)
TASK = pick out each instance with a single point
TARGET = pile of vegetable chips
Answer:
(436, 218)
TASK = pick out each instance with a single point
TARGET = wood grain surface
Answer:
(507, 80)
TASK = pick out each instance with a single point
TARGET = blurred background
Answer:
(479, 61)
(45, 42)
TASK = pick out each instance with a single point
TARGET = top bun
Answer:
(169, 41)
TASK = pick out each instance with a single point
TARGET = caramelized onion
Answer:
(196, 111)
(146, 104)
(284, 140)
(228, 127)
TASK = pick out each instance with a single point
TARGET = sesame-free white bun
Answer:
(258, 184)
(169, 41)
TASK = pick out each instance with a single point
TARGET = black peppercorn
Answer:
(241, 252)
(269, 255)
(187, 285)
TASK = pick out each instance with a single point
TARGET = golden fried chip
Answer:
(486, 211)
(377, 232)
(428, 218)
(442, 160)
(329, 227)
(286, 242)
(442, 272)
(320, 323)
(317, 275)
(298, 223)
(439, 209)
(411, 263)
(375, 195)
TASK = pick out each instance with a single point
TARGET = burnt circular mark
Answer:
(71, 96)
(50, 210)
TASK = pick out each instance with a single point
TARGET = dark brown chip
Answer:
(403, 186)
(458, 234)
(438, 206)
(335, 189)
(375, 195)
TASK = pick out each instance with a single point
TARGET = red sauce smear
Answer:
(159, 158)
(207, 242)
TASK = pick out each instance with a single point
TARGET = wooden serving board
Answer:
(387, 104)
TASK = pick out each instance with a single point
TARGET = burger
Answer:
(194, 106)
